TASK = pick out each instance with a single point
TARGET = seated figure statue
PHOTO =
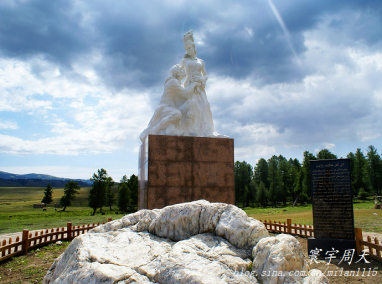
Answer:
(175, 113)
(184, 109)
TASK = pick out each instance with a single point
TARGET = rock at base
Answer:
(196, 242)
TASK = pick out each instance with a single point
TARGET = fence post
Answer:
(358, 238)
(69, 231)
(25, 241)
(378, 251)
(109, 219)
(4, 244)
(289, 226)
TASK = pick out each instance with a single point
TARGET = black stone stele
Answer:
(332, 203)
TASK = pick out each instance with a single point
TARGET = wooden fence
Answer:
(289, 228)
(374, 248)
(42, 238)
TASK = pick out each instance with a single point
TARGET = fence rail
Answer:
(29, 242)
(374, 248)
(42, 238)
(289, 228)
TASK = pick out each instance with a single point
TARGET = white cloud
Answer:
(339, 100)
(85, 108)
(368, 134)
(256, 132)
(23, 84)
(7, 124)
(103, 128)
(243, 153)
(329, 145)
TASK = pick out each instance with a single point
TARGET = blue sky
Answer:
(80, 80)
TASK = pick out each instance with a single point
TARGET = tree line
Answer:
(281, 181)
(100, 195)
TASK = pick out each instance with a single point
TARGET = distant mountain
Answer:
(29, 180)
(6, 175)
(37, 183)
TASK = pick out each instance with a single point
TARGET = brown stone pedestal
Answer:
(176, 169)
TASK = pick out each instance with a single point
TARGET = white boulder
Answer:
(196, 242)
(124, 255)
(280, 259)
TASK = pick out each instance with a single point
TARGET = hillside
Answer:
(36, 180)
(37, 183)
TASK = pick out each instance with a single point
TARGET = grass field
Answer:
(17, 213)
(364, 215)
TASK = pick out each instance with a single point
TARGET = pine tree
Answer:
(110, 196)
(132, 183)
(286, 180)
(298, 187)
(325, 154)
(243, 176)
(262, 195)
(306, 182)
(124, 195)
(252, 191)
(70, 191)
(261, 172)
(48, 195)
(274, 180)
(97, 194)
(359, 172)
(374, 169)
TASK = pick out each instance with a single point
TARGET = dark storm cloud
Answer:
(45, 27)
(139, 41)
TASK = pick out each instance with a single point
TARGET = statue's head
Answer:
(177, 72)
(189, 44)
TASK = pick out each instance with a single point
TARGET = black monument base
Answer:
(327, 245)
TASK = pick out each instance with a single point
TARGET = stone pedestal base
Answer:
(176, 169)
(327, 245)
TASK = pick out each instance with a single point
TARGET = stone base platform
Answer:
(177, 169)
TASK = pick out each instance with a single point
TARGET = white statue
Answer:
(184, 109)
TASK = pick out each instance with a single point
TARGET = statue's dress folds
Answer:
(203, 125)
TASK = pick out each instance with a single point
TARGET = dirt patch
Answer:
(33, 267)
(30, 268)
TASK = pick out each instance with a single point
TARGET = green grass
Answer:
(364, 217)
(30, 268)
(19, 222)
(21, 199)
(17, 212)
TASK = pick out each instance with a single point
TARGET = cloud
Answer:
(86, 76)
(339, 99)
(139, 43)
(52, 29)
(103, 128)
(329, 145)
(8, 124)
